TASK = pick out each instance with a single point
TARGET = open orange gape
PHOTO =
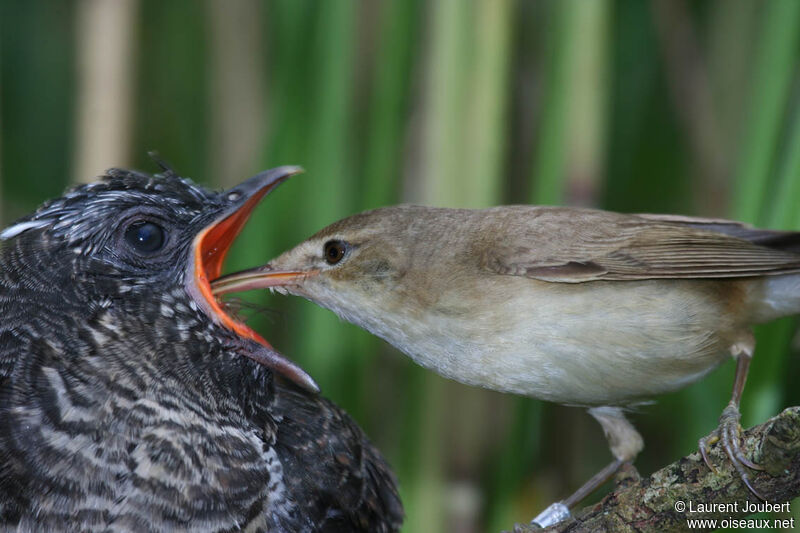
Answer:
(210, 248)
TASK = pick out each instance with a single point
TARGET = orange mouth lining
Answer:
(210, 248)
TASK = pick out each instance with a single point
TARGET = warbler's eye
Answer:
(333, 251)
(145, 237)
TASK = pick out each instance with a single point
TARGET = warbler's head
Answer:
(386, 260)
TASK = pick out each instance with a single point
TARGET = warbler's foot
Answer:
(730, 433)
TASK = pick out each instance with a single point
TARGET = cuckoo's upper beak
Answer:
(211, 246)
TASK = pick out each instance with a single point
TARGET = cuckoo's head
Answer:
(145, 246)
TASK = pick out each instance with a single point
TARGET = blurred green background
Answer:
(664, 106)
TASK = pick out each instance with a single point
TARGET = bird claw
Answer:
(703, 444)
(729, 432)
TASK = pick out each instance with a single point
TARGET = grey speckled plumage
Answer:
(125, 407)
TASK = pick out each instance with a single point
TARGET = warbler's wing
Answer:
(576, 245)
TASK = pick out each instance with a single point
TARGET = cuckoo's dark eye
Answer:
(145, 237)
(333, 251)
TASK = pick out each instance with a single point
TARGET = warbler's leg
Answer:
(729, 430)
(625, 443)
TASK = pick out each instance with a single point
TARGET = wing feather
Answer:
(577, 245)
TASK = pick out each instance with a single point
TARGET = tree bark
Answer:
(652, 503)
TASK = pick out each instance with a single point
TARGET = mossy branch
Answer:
(649, 504)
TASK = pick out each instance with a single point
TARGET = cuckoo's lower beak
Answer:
(262, 277)
(211, 246)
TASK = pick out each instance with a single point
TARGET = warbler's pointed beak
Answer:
(262, 277)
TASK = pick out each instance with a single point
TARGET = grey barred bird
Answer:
(131, 401)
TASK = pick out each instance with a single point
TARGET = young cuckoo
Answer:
(130, 400)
